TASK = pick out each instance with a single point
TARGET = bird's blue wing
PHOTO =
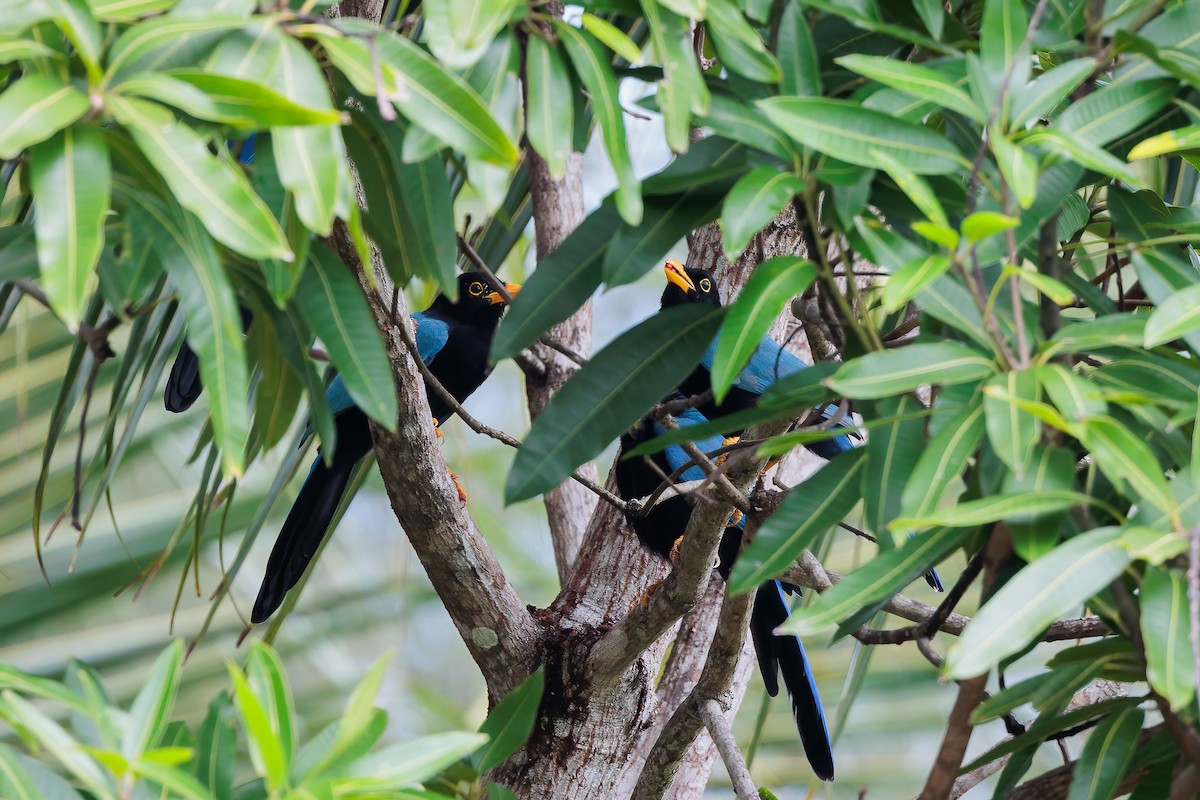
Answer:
(246, 156)
(431, 334)
(337, 397)
(676, 456)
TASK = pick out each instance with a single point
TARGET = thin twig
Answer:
(735, 764)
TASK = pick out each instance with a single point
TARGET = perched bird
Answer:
(769, 363)
(661, 529)
(453, 339)
(183, 383)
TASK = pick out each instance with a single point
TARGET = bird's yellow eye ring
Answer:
(705, 285)
(476, 289)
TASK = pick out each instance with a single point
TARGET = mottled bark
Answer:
(557, 210)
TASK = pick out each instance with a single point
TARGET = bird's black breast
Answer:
(461, 365)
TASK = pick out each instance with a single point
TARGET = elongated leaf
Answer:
(311, 159)
(35, 108)
(151, 708)
(1126, 459)
(1002, 49)
(1179, 314)
(904, 369)
(1170, 142)
(550, 108)
(876, 581)
(1020, 505)
(729, 117)
(752, 203)
(941, 461)
(715, 160)
(1083, 152)
(1106, 756)
(1049, 89)
(682, 92)
(738, 44)
(1012, 431)
(71, 177)
(240, 98)
(58, 743)
(911, 279)
(1038, 595)
(14, 49)
(1165, 631)
(509, 724)
(269, 684)
(893, 451)
(266, 752)
(592, 66)
(635, 249)
(172, 778)
(461, 30)
(915, 80)
(145, 45)
(332, 304)
(401, 765)
(1018, 168)
(21, 779)
(609, 394)
(774, 282)
(851, 133)
(215, 191)
(216, 748)
(612, 37)
(806, 514)
(1114, 111)
(562, 282)
(797, 54)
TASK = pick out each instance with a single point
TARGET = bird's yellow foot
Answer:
(728, 441)
(462, 493)
(675, 549)
(437, 431)
(644, 599)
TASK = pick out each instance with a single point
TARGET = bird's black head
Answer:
(479, 303)
(688, 286)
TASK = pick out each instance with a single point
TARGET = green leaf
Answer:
(730, 117)
(311, 159)
(942, 460)
(915, 188)
(592, 66)
(1110, 330)
(1166, 633)
(682, 91)
(214, 328)
(1114, 111)
(75, 19)
(1045, 92)
(773, 283)
(738, 44)
(972, 513)
(401, 765)
(550, 108)
(459, 31)
(22, 778)
(266, 751)
(151, 709)
(810, 509)
(333, 306)
(876, 581)
(14, 49)
(35, 108)
(915, 80)
(278, 392)
(214, 190)
(984, 224)
(608, 394)
(1106, 756)
(264, 672)
(612, 37)
(1012, 431)
(243, 99)
(1126, 460)
(1018, 167)
(1039, 594)
(797, 54)
(147, 44)
(755, 200)
(71, 179)
(1179, 314)
(58, 743)
(562, 282)
(848, 132)
(910, 280)
(509, 724)
(712, 164)
(903, 369)
(127, 10)
(1084, 153)
(1170, 142)
(216, 748)
(893, 452)
(442, 103)
(1002, 49)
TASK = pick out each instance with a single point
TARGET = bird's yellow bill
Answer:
(495, 298)
(678, 276)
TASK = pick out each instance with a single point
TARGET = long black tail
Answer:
(302, 532)
(784, 655)
(183, 385)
